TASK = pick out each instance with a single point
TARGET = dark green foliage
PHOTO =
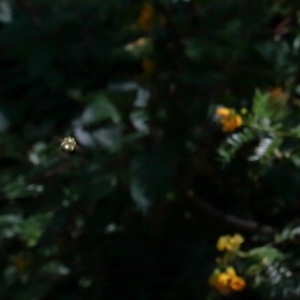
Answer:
(121, 216)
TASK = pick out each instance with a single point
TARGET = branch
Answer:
(232, 220)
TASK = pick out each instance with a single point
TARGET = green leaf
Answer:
(98, 110)
(266, 253)
(10, 225)
(5, 12)
(264, 151)
(139, 118)
(234, 142)
(260, 106)
(33, 228)
(152, 174)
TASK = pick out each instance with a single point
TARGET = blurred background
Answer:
(185, 115)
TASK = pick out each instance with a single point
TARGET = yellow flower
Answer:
(222, 284)
(145, 18)
(231, 123)
(278, 92)
(220, 281)
(230, 272)
(237, 239)
(229, 119)
(237, 283)
(223, 112)
(149, 18)
(226, 282)
(148, 66)
(213, 279)
(278, 96)
(223, 243)
(230, 243)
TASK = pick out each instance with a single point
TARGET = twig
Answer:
(241, 223)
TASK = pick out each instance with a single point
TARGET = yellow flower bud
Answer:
(229, 119)
(223, 112)
(222, 284)
(237, 283)
(230, 272)
(223, 243)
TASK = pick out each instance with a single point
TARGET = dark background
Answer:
(127, 215)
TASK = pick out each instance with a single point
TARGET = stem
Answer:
(235, 221)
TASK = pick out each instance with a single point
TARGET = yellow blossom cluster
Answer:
(278, 92)
(229, 119)
(224, 279)
(230, 243)
(147, 18)
(226, 282)
(278, 96)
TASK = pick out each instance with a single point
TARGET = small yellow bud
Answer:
(244, 111)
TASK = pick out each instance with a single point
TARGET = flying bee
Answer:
(68, 144)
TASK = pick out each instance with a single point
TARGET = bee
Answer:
(68, 144)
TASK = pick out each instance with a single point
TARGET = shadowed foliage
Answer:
(149, 149)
